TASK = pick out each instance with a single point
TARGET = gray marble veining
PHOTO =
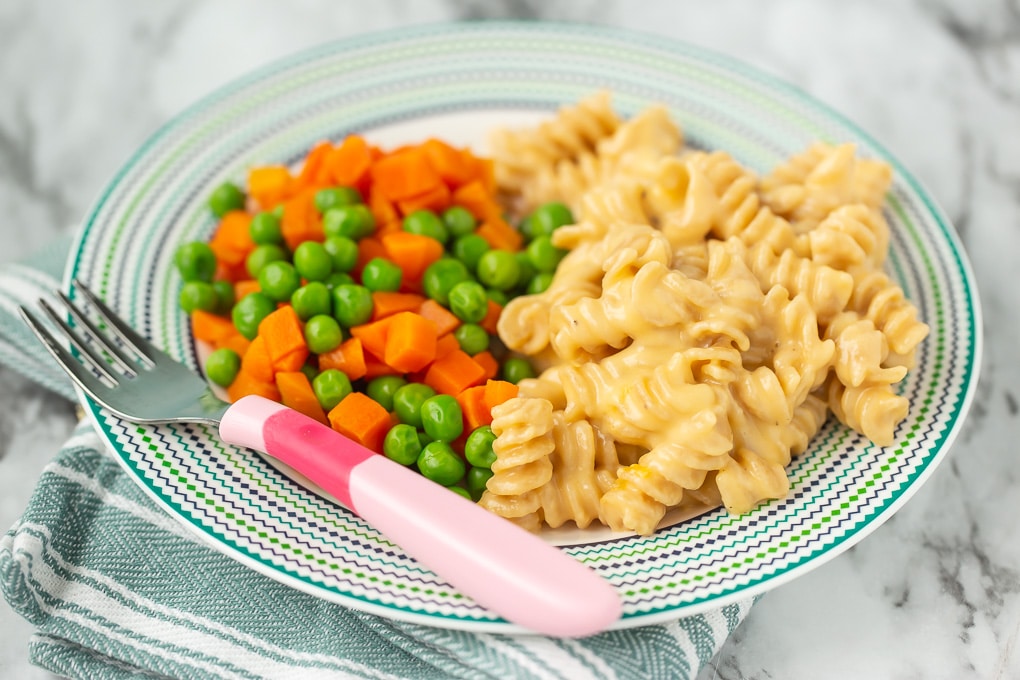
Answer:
(934, 592)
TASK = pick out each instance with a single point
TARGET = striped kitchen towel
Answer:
(118, 589)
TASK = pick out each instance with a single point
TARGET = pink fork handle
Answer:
(496, 563)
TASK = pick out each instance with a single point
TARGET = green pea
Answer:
(334, 197)
(460, 491)
(516, 369)
(441, 276)
(383, 388)
(441, 418)
(353, 221)
(527, 271)
(477, 478)
(330, 387)
(226, 197)
(499, 269)
(540, 283)
(440, 463)
(478, 447)
(424, 438)
(497, 296)
(279, 280)
(343, 251)
(225, 297)
(312, 261)
(379, 274)
(195, 261)
(352, 304)
(311, 299)
(468, 301)
(249, 312)
(402, 445)
(544, 255)
(549, 217)
(222, 366)
(407, 401)
(310, 371)
(426, 223)
(323, 334)
(525, 227)
(338, 279)
(469, 250)
(459, 221)
(265, 228)
(262, 255)
(197, 295)
(472, 338)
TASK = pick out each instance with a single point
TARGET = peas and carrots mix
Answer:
(364, 291)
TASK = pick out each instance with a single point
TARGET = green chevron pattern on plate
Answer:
(455, 82)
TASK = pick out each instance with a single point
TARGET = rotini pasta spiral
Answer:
(810, 185)
(700, 329)
(850, 236)
(523, 445)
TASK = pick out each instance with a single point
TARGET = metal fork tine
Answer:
(145, 350)
(123, 361)
(65, 359)
(79, 343)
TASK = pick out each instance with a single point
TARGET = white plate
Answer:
(457, 82)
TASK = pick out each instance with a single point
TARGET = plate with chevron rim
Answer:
(457, 82)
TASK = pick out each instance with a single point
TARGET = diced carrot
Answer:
(454, 373)
(349, 163)
(242, 288)
(488, 362)
(450, 163)
(404, 174)
(492, 313)
(361, 418)
(481, 169)
(383, 210)
(498, 391)
(285, 339)
(446, 344)
(256, 361)
(478, 200)
(375, 367)
(369, 248)
(209, 327)
(413, 253)
(500, 235)
(435, 199)
(385, 303)
(236, 342)
(231, 272)
(245, 384)
(445, 320)
(349, 357)
(373, 336)
(313, 172)
(270, 185)
(296, 392)
(301, 220)
(410, 342)
(472, 405)
(232, 241)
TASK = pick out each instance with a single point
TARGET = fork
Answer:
(501, 566)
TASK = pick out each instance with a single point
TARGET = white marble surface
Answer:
(935, 592)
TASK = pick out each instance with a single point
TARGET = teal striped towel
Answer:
(118, 589)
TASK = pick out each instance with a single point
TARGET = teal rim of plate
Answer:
(922, 265)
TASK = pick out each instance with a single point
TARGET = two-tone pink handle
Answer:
(496, 563)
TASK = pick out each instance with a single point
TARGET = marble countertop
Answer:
(934, 592)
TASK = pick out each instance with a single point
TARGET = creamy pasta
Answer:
(703, 324)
